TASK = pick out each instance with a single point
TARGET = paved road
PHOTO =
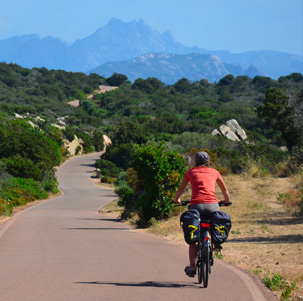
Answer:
(62, 249)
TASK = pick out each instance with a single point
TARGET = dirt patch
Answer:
(265, 238)
(74, 103)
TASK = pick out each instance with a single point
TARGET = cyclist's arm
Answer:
(224, 190)
(180, 191)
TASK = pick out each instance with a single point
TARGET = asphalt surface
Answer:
(63, 249)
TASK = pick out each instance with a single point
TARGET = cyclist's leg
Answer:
(192, 255)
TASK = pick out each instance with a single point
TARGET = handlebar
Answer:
(224, 204)
(184, 203)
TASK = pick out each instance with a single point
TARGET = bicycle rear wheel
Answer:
(199, 263)
(205, 265)
(200, 274)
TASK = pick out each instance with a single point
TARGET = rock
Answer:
(39, 119)
(215, 132)
(231, 130)
(62, 120)
(224, 129)
(74, 146)
(32, 124)
(18, 116)
(98, 173)
(107, 141)
(235, 127)
(228, 133)
(58, 126)
(231, 136)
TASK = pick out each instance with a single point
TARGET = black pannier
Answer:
(189, 221)
(220, 226)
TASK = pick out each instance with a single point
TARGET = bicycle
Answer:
(205, 257)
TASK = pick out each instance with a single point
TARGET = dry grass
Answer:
(265, 239)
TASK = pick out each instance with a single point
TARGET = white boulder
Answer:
(73, 146)
(231, 130)
(235, 127)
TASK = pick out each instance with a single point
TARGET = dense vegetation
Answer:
(146, 120)
(183, 116)
(31, 103)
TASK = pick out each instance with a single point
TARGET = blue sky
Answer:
(235, 25)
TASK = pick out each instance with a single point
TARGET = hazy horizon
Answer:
(234, 26)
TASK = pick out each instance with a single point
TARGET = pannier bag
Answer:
(220, 226)
(189, 221)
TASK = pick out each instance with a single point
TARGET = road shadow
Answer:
(110, 195)
(101, 219)
(156, 284)
(297, 238)
(89, 165)
(99, 229)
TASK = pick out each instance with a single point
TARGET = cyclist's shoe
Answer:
(190, 272)
(217, 249)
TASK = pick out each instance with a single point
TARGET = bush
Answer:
(19, 139)
(19, 191)
(24, 168)
(109, 171)
(158, 173)
(49, 182)
(126, 194)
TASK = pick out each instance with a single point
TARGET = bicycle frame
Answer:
(204, 252)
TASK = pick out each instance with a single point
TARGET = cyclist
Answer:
(203, 180)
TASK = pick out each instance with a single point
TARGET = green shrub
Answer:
(108, 170)
(21, 167)
(49, 182)
(158, 173)
(125, 193)
(19, 191)
(274, 283)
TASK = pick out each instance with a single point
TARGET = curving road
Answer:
(62, 249)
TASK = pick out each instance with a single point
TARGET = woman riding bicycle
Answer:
(203, 180)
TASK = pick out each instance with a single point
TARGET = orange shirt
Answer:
(203, 183)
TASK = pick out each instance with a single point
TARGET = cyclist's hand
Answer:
(224, 203)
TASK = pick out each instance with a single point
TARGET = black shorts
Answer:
(205, 209)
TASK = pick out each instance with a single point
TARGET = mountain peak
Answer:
(121, 41)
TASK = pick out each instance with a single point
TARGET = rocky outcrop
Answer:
(231, 130)
(235, 127)
(74, 147)
(107, 141)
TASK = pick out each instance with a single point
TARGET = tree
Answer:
(183, 85)
(128, 132)
(277, 114)
(158, 174)
(226, 80)
(150, 85)
(117, 79)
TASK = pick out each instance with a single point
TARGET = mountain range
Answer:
(138, 50)
(169, 68)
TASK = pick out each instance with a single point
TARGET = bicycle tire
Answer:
(199, 263)
(205, 266)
